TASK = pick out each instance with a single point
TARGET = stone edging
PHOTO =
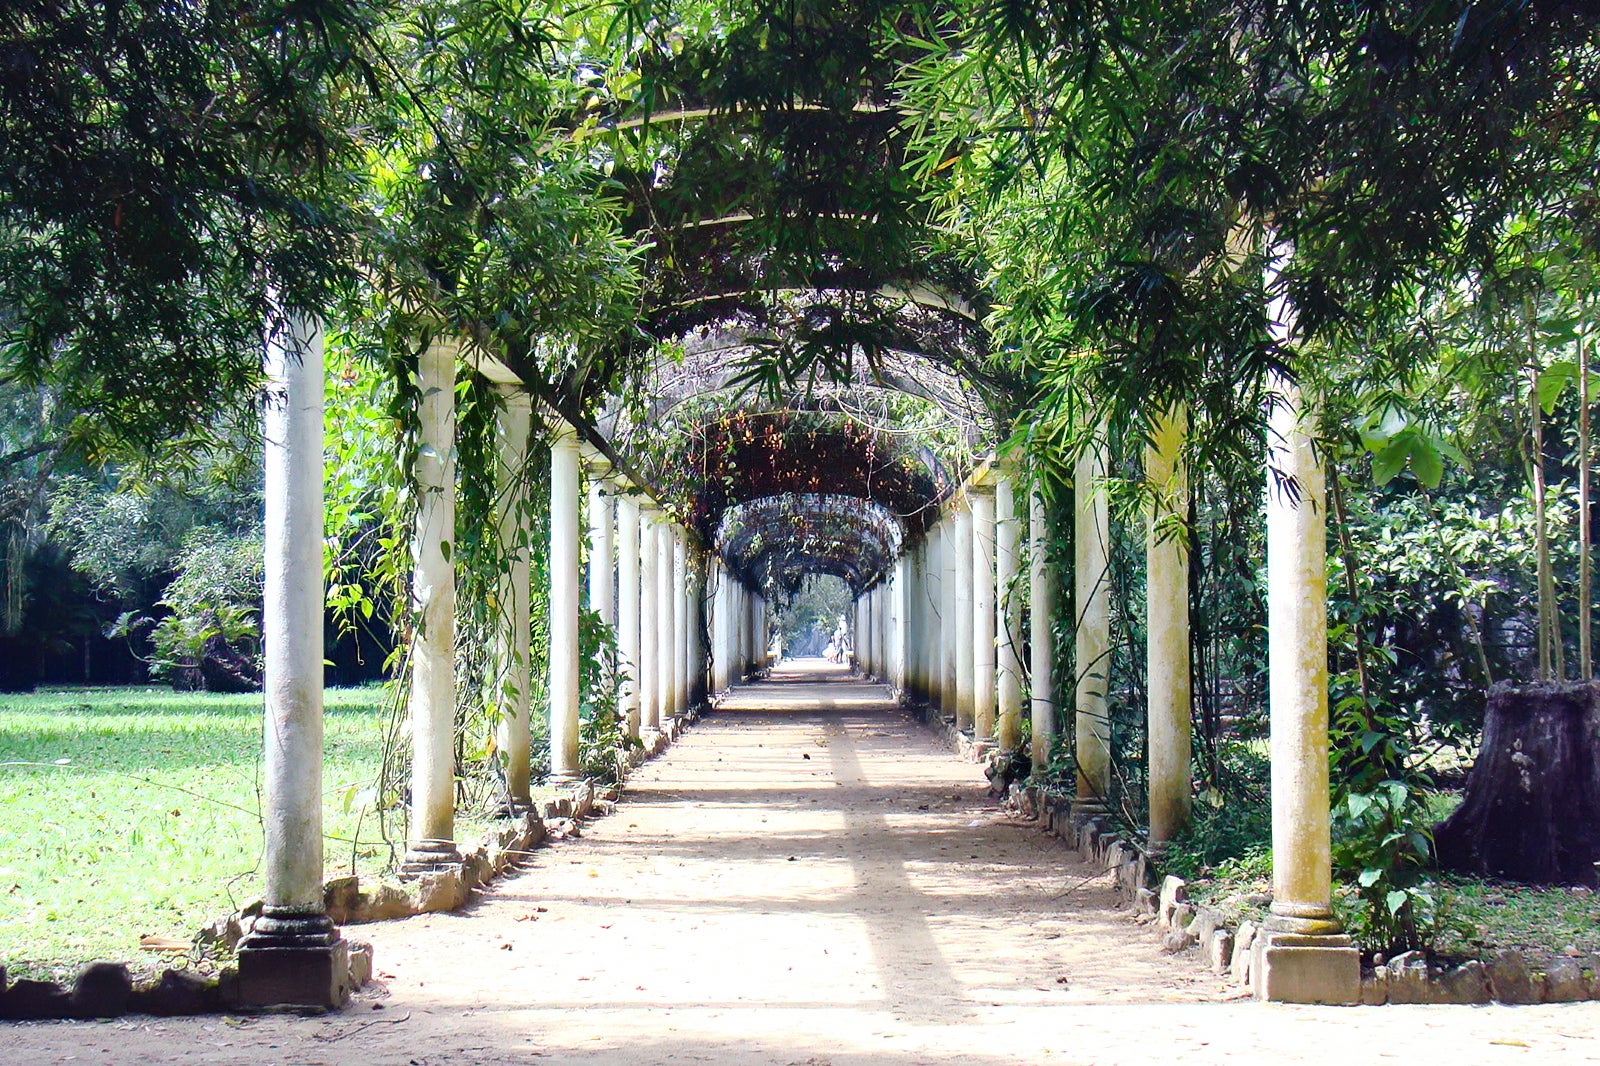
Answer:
(106, 989)
(1511, 977)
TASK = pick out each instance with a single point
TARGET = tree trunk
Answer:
(1532, 806)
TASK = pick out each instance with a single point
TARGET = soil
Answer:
(807, 878)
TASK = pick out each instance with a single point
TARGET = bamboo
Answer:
(1585, 659)
(1541, 533)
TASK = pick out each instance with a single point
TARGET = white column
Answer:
(513, 665)
(718, 580)
(1041, 639)
(680, 569)
(291, 630)
(983, 615)
(1167, 629)
(932, 615)
(628, 606)
(602, 571)
(1302, 955)
(1297, 659)
(433, 603)
(869, 636)
(949, 624)
(666, 643)
(1091, 578)
(1008, 619)
(965, 657)
(649, 624)
(565, 574)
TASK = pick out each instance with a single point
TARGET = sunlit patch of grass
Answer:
(127, 812)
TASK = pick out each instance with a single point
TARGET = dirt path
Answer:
(806, 878)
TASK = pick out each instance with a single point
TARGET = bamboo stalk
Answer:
(1541, 532)
(1585, 659)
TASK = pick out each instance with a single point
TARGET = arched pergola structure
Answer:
(809, 390)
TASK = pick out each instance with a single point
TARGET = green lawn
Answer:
(133, 811)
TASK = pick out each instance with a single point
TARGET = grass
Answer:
(134, 811)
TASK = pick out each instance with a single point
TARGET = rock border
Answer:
(1510, 977)
(106, 989)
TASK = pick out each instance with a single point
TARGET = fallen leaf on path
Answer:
(163, 943)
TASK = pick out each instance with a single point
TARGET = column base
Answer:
(1298, 967)
(429, 856)
(564, 780)
(294, 962)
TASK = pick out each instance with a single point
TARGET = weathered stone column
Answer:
(666, 635)
(1041, 637)
(717, 579)
(1091, 577)
(965, 649)
(513, 664)
(680, 620)
(433, 603)
(293, 955)
(649, 623)
(949, 609)
(565, 574)
(911, 625)
(628, 606)
(1303, 958)
(1167, 628)
(602, 571)
(869, 634)
(983, 615)
(1008, 618)
(933, 618)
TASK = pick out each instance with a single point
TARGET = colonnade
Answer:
(943, 622)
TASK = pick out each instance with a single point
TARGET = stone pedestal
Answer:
(428, 855)
(1292, 967)
(293, 962)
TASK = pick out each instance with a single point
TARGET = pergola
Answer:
(797, 308)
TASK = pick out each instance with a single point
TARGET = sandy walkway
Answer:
(806, 878)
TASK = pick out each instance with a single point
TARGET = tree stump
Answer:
(1532, 807)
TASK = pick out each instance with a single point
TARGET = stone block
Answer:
(1219, 951)
(1408, 978)
(476, 867)
(387, 902)
(1290, 968)
(1181, 916)
(1205, 922)
(1465, 984)
(1173, 892)
(1375, 987)
(35, 999)
(1513, 980)
(178, 993)
(1146, 902)
(1176, 940)
(102, 990)
(360, 963)
(442, 890)
(294, 978)
(341, 897)
(1243, 942)
(1565, 982)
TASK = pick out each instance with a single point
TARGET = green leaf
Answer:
(1553, 381)
(1369, 876)
(1395, 900)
